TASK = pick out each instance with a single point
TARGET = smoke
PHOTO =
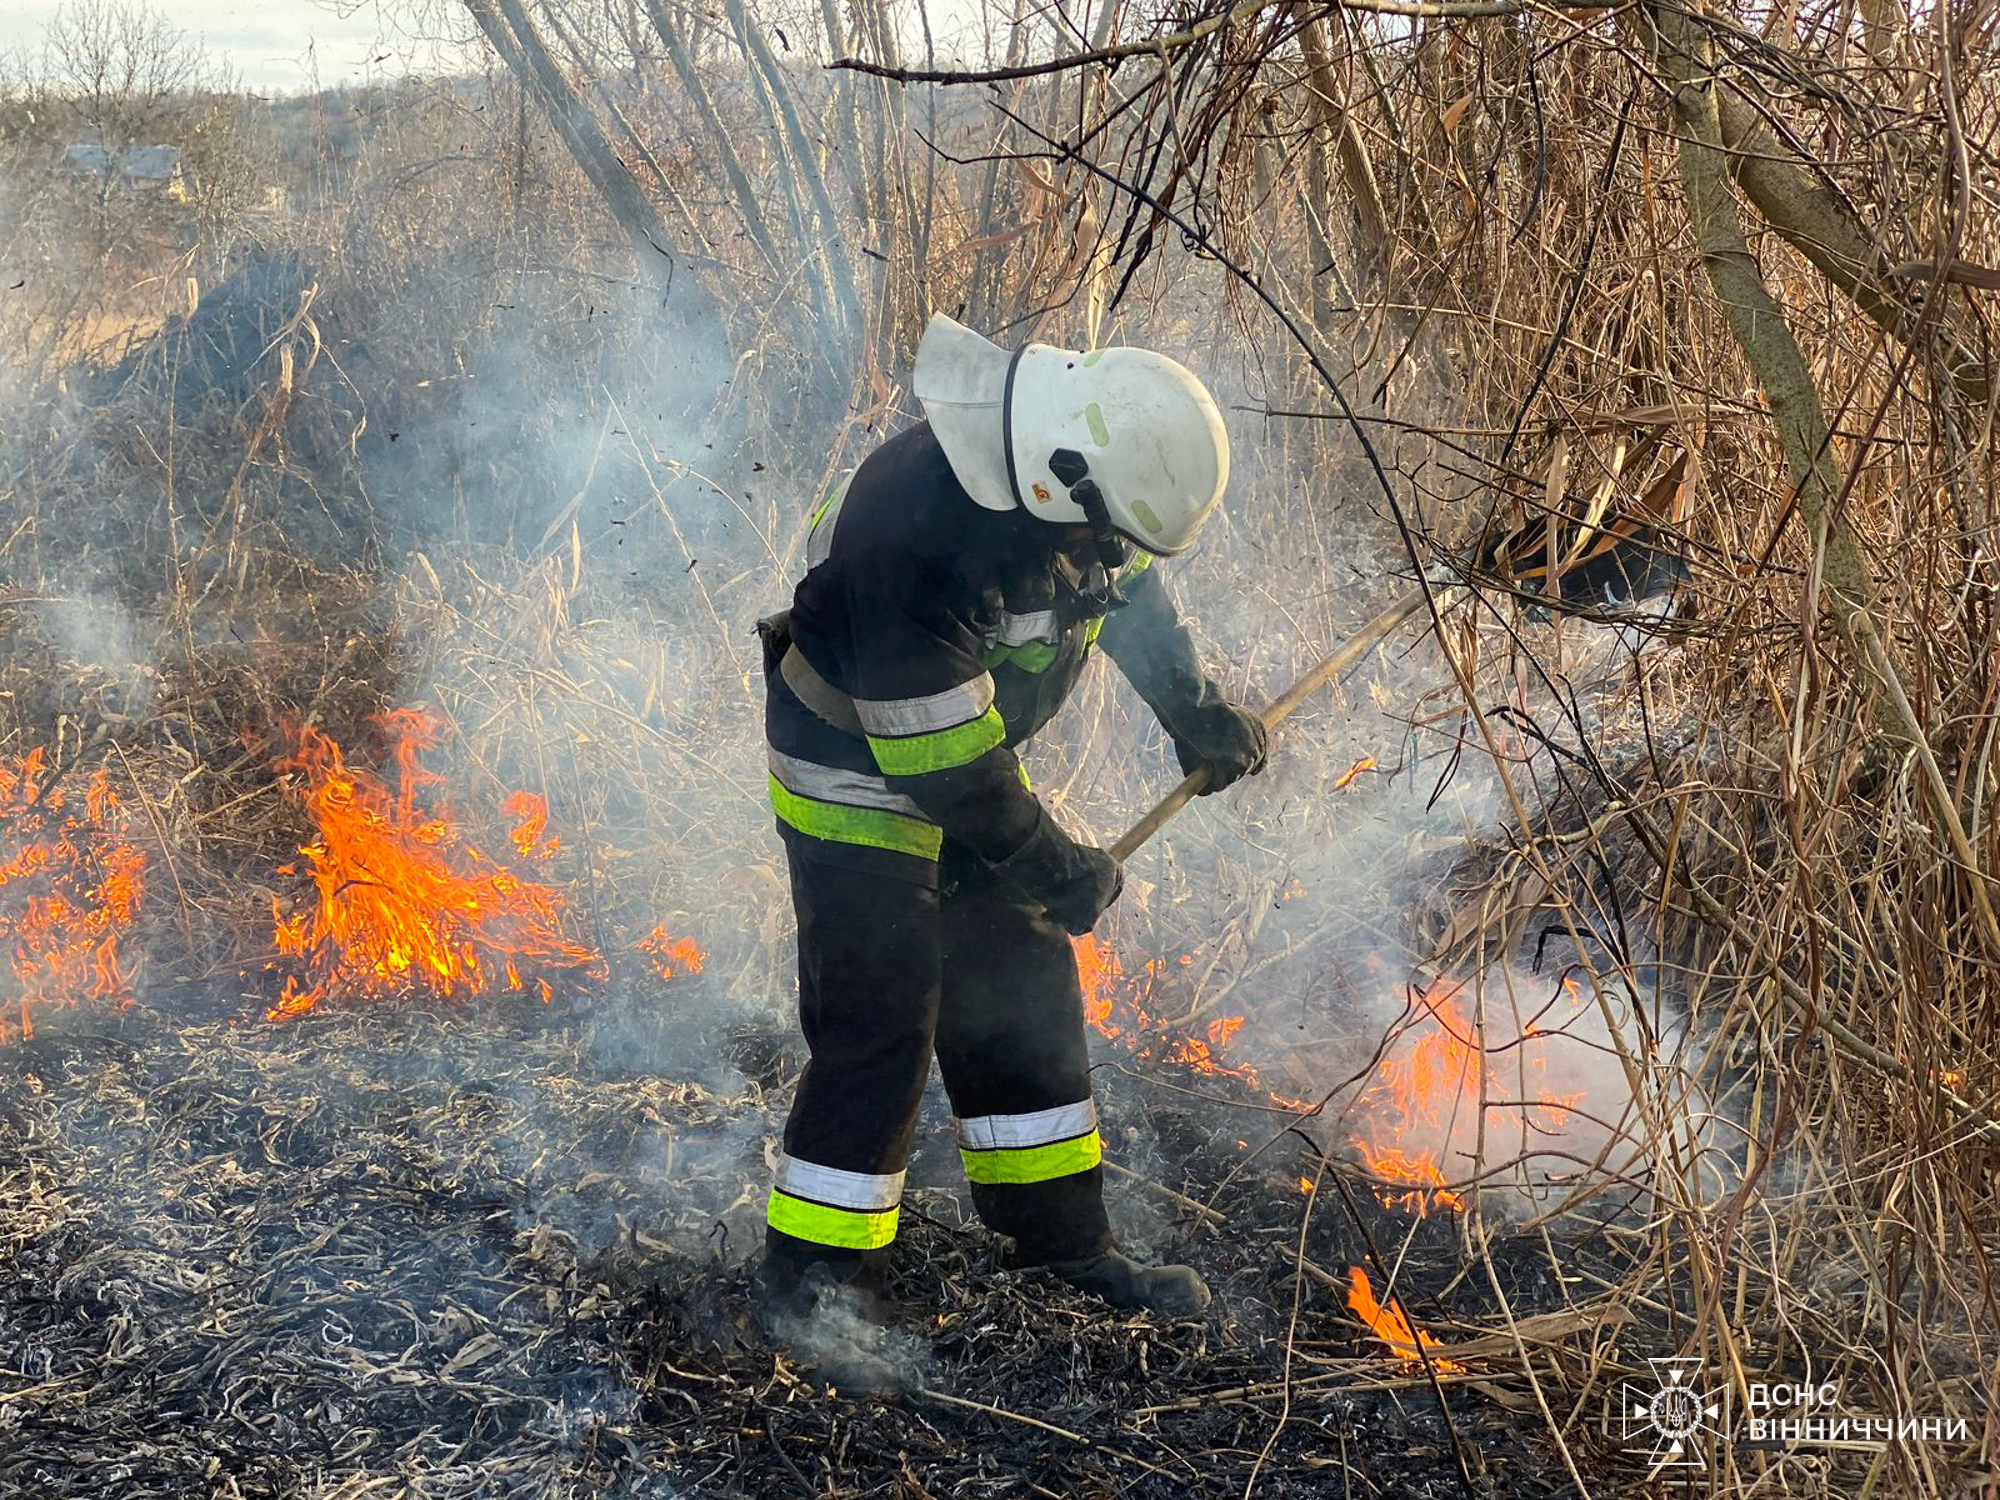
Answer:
(574, 497)
(846, 1346)
(1308, 910)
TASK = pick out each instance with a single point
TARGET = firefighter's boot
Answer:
(825, 1307)
(1060, 1226)
(1171, 1291)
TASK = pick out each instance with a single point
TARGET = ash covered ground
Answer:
(500, 1251)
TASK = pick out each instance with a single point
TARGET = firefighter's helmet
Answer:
(1054, 431)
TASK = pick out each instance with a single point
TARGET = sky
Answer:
(290, 45)
(273, 45)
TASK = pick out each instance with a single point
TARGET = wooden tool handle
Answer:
(1276, 712)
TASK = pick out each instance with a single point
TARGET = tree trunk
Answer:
(1336, 129)
(1815, 220)
(1780, 367)
(719, 143)
(513, 35)
(634, 142)
(826, 248)
(1757, 320)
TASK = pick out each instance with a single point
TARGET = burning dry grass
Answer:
(638, 1364)
(1391, 1324)
(399, 1221)
(403, 899)
(70, 886)
(379, 1249)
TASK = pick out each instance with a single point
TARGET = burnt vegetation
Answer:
(1605, 971)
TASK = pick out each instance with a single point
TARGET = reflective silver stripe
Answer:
(945, 710)
(830, 784)
(1018, 630)
(863, 1192)
(1012, 1132)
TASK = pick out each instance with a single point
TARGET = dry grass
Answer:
(1725, 828)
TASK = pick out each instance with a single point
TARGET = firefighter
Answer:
(956, 587)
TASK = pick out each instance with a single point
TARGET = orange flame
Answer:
(403, 899)
(69, 885)
(1427, 1095)
(1097, 971)
(1392, 1325)
(672, 956)
(531, 817)
(1366, 763)
(1116, 1008)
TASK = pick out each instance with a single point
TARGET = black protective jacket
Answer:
(958, 632)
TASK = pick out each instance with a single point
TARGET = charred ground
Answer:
(481, 1258)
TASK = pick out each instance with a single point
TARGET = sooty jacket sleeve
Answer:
(925, 700)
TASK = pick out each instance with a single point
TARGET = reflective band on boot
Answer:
(851, 1210)
(1016, 1149)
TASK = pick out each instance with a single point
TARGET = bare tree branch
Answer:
(1175, 40)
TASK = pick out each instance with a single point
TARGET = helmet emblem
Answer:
(1041, 492)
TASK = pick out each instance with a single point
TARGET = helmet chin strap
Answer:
(1073, 470)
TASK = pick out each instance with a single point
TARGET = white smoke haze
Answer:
(655, 489)
(1343, 888)
(843, 1344)
(431, 436)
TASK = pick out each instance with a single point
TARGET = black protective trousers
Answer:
(891, 972)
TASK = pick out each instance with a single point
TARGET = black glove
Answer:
(1074, 882)
(1232, 742)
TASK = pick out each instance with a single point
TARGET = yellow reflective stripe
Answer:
(915, 754)
(847, 1228)
(1033, 656)
(820, 514)
(841, 824)
(1141, 560)
(818, 547)
(1021, 1164)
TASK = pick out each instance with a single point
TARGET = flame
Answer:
(1392, 1325)
(402, 897)
(1306, 1186)
(1115, 1007)
(1117, 1010)
(531, 817)
(69, 886)
(1097, 970)
(1366, 763)
(671, 955)
(1427, 1095)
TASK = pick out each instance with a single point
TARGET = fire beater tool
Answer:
(1279, 709)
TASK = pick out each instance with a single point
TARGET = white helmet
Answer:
(1056, 432)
